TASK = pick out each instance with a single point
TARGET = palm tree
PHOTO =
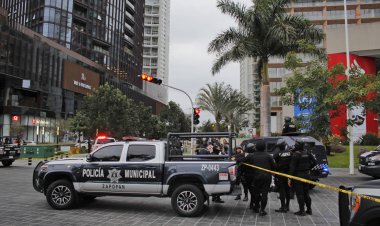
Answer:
(212, 99)
(223, 102)
(265, 30)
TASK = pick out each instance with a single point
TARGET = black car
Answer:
(9, 150)
(369, 163)
(355, 211)
(321, 170)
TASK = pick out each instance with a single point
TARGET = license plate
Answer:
(223, 176)
(11, 157)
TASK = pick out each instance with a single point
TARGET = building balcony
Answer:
(129, 17)
(129, 6)
(129, 40)
(129, 29)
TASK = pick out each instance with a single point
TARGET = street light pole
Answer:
(192, 111)
(350, 128)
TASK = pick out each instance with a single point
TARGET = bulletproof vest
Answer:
(284, 159)
(304, 162)
(291, 128)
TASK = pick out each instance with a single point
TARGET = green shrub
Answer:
(369, 139)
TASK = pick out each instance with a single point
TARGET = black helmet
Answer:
(299, 145)
(281, 144)
(260, 145)
(288, 119)
(249, 148)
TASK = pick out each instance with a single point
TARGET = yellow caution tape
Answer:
(316, 183)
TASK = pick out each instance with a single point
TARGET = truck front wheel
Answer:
(7, 163)
(61, 195)
(187, 200)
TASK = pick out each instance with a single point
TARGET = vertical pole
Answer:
(350, 128)
(192, 112)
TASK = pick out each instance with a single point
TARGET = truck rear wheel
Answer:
(187, 200)
(61, 195)
(7, 163)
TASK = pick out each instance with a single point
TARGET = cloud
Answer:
(193, 25)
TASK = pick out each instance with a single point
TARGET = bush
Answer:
(369, 140)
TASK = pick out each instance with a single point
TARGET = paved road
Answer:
(21, 205)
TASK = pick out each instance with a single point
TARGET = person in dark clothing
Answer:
(283, 156)
(302, 162)
(239, 155)
(288, 127)
(248, 173)
(261, 179)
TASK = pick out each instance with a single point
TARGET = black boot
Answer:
(300, 213)
(262, 213)
(308, 211)
(237, 197)
(281, 210)
(245, 198)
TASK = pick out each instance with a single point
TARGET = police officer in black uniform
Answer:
(261, 179)
(288, 127)
(248, 173)
(239, 155)
(283, 156)
(302, 162)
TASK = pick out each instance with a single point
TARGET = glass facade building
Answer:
(42, 81)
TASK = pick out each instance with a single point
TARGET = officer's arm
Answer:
(272, 162)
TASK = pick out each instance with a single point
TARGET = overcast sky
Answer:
(193, 24)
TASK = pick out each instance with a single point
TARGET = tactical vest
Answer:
(284, 159)
(304, 163)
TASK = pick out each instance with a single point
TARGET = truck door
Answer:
(143, 169)
(103, 173)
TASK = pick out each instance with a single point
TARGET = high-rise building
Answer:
(156, 46)
(328, 15)
(108, 32)
(52, 53)
(250, 87)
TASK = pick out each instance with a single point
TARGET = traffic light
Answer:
(151, 79)
(196, 113)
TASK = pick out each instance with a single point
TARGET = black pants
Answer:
(302, 193)
(249, 184)
(284, 191)
(260, 190)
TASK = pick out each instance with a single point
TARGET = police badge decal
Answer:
(114, 175)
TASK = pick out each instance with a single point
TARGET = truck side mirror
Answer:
(89, 158)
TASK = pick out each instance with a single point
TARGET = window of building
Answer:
(108, 154)
(141, 153)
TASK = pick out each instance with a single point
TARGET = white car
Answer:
(102, 140)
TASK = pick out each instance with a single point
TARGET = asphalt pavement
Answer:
(21, 205)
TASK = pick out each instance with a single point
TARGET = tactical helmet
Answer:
(281, 144)
(299, 145)
(260, 145)
(288, 119)
(249, 148)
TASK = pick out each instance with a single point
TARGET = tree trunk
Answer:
(265, 122)
(265, 105)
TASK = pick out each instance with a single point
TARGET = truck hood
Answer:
(67, 161)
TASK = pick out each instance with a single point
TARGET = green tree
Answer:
(173, 119)
(107, 110)
(264, 30)
(224, 102)
(315, 81)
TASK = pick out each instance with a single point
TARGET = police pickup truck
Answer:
(9, 150)
(138, 168)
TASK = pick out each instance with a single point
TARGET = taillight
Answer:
(232, 172)
(355, 204)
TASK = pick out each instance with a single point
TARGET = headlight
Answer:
(374, 158)
(44, 168)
